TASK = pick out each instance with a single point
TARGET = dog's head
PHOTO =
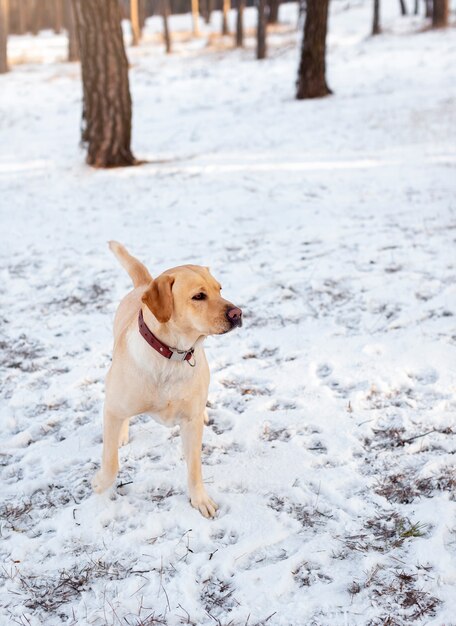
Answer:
(188, 297)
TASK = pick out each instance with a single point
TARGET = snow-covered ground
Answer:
(331, 443)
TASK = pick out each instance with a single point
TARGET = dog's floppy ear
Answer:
(159, 297)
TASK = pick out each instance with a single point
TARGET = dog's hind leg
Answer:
(113, 425)
(192, 437)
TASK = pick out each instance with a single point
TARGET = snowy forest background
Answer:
(329, 218)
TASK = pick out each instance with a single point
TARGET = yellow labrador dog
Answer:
(159, 365)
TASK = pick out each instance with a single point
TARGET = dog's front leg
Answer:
(113, 426)
(192, 437)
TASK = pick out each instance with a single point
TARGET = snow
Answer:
(331, 442)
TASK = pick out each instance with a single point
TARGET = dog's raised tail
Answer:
(138, 272)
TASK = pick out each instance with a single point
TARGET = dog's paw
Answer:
(102, 481)
(205, 505)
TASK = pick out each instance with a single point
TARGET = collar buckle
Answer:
(180, 355)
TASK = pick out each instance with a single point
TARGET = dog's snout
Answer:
(234, 315)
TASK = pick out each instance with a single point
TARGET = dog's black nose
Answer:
(234, 316)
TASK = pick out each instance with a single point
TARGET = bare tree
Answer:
(440, 14)
(21, 9)
(208, 11)
(226, 9)
(273, 14)
(165, 15)
(261, 30)
(4, 18)
(106, 92)
(311, 81)
(73, 44)
(429, 7)
(134, 21)
(195, 18)
(57, 15)
(240, 23)
(403, 7)
(34, 22)
(376, 30)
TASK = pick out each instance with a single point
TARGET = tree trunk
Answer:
(17, 24)
(240, 24)
(261, 30)
(209, 9)
(440, 14)
(273, 15)
(226, 8)
(57, 14)
(195, 18)
(376, 30)
(429, 4)
(403, 7)
(34, 17)
(4, 18)
(73, 44)
(106, 94)
(311, 81)
(165, 14)
(417, 7)
(134, 20)
(142, 15)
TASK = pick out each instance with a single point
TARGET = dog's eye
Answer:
(200, 296)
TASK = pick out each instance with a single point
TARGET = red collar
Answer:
(169, 353)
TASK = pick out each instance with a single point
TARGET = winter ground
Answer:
(331, 442)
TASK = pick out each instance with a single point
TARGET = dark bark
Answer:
(4, 20)
(376, 30)
(417, 7)
(440, 14)
(73, 44)
(165, 15)
(204, 10)
(311, 81)
(210, 8)
(261, 30)
(240, 24)
(106, 93)
(403, 7)
(301, 10)
(226, 5)
(273, 15)
(428, 8)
